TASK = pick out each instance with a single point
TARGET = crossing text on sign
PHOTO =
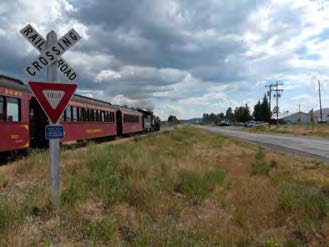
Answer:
(40, 44)
(46, 58)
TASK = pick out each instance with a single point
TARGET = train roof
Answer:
(4, 78)
(92, 101)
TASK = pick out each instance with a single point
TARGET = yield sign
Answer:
(53, 97)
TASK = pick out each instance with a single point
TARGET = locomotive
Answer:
(22, 120)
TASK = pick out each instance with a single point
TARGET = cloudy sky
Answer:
(182, 57)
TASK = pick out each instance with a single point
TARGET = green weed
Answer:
(258, 164)
(307, 205)
(197, 186)
(259, 167)
(101, 232)
(192, 185)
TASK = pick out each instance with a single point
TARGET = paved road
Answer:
(309, 147)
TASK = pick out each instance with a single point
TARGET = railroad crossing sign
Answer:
(49, 55)
(53, 97)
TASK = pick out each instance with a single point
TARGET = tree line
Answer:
(242, 114)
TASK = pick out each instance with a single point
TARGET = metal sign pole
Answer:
(54, 148)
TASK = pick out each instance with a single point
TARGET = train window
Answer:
(2, 108)
(91, 115)
(68, 114)
(13, 109)
(86, 114)
(81, 113)
(99, 118)
(63, 116)
(102, 116)
(111, 116)
(106, 116)
(95, 116)
(130, 118)
(74, 114)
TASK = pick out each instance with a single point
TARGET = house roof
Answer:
(283, 115)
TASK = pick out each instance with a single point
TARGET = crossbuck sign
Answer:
(52, 97)
(49, 55)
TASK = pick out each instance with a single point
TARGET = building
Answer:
(293, 118)
(325, 115)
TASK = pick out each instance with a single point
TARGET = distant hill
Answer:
(185, 121)
(190, 121)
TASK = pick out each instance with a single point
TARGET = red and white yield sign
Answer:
(53, 97)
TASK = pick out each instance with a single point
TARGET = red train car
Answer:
(86, 118)
(14, 115)
(23, 122)
(129, 121)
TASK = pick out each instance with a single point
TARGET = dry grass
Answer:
(183, 187)
(319, 130)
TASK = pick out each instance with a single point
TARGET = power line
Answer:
(277, 94)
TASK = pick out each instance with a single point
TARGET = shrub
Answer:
(308, 206)
(258, 165)
(193, 185)
(216, 177)
(273, 164)
(260, 154)
(197, 186)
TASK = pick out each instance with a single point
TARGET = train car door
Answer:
(119, 122)
(38, 122)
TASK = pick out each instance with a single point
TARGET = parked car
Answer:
(249, 124)
(224, 123)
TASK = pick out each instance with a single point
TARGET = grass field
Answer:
(319, 130)
(183, 187)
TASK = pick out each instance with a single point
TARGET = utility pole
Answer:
(277, 95)
(299, 113)
(320, 101)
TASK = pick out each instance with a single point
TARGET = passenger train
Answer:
(22, 120)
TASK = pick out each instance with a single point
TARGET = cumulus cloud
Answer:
(181, 57)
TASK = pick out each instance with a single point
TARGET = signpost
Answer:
(53, 97)
(312, 120)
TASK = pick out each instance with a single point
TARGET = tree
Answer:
(242, 114)
(265, 110)
(257, 111)
(172, 120)
(212, 118)
(205, 118)
(262, 110)
(229, 114)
